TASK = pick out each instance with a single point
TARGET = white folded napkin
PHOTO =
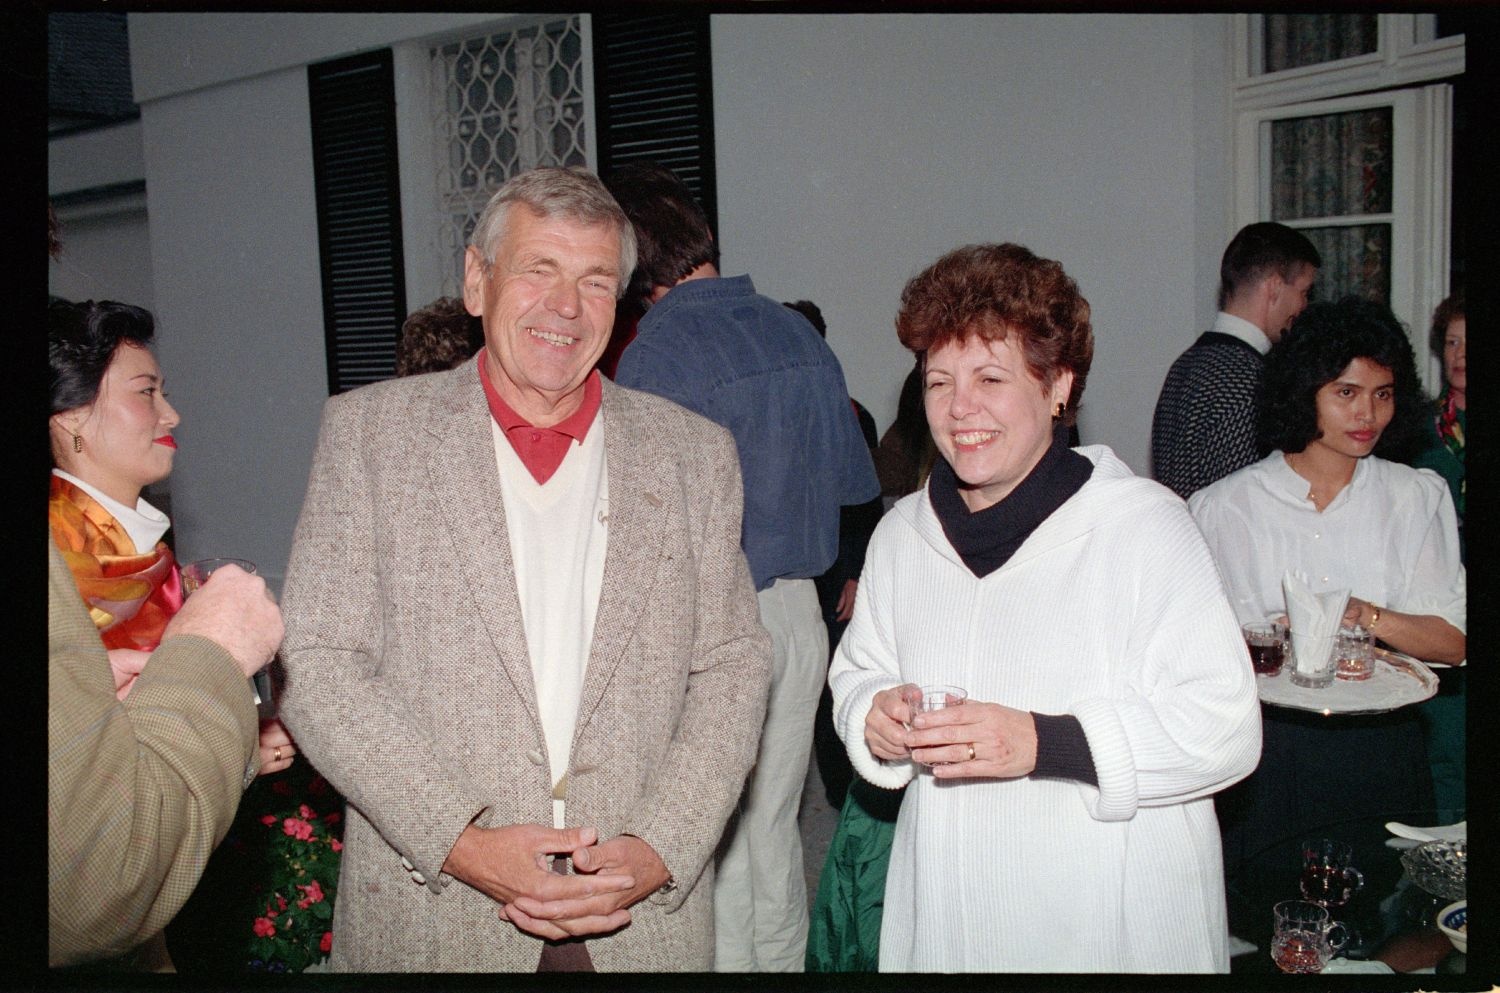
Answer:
(1409, 837)
(1314, 619)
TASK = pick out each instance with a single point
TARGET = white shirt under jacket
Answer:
(1110, 611)
(1389, 537)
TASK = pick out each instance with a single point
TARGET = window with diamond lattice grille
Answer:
(503, 103)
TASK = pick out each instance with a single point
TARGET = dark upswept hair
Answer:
(439, 336)
(81, 342)
(1319, 345)
(1260, 249)
(1450, 310)
(993, 290)
(671, 229)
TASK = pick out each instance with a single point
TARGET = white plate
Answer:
(1399, 680)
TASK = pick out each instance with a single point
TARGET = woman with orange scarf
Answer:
(111, 431)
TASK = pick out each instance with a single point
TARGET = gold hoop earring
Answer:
(1059, 410)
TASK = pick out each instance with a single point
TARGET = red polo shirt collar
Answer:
(541, 450)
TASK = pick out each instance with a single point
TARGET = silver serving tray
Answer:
(1398, 681)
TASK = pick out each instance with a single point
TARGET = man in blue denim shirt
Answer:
(715, 346)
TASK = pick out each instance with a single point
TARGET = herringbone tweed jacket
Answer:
(409, 684)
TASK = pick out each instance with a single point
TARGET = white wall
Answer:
(106, 253)
(239, 309)
(106, 243)
(854, 150)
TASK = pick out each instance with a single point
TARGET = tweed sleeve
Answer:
(683, 813)
(337, 703)
(138, 791)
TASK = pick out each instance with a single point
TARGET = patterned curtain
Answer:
(1332, 165)
(1356, 262)
(1293, 40)
(1338, 166)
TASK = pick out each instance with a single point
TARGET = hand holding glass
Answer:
(194, 575)
(930, 698)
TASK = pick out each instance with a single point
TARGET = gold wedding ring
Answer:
(971, 751)
(276, 753)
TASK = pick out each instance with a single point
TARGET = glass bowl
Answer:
(1439, 867)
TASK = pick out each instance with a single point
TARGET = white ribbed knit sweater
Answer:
(1111, 611)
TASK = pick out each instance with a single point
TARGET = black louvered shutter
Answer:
(353, 105)
(653, 97)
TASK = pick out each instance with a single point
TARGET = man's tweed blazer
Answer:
(138, 791)
(409, 684)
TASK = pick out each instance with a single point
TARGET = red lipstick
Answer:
(166, 440)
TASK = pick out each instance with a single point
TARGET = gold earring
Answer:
(77, 443)
(1059, 410)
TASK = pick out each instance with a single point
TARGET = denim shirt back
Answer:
(759, 369)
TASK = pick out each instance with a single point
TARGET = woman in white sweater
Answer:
(1061, 819)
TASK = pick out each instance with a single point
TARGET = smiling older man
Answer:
(522, 638)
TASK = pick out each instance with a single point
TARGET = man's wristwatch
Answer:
(668, 886)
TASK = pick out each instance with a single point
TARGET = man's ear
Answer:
(1272, 287)
(476, 272)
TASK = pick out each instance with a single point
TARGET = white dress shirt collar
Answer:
(143, 522)
(1242, 329)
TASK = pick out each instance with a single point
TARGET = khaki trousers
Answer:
(760, 891)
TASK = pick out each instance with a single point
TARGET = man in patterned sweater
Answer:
(1204, 427)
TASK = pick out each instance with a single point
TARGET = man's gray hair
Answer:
(573, 193)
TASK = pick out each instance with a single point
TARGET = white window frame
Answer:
(1405, 54)
(1421, 145)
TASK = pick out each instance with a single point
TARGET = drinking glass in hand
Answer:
(194, 575)
(929, 698)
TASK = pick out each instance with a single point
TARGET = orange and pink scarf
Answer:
(130, 595)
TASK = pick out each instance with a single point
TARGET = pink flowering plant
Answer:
(293, 928)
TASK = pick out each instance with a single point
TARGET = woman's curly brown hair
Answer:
(442, 335)
(992, 291)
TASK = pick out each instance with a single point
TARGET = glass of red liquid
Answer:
(1305, 937)
(1329, 878)
(1267, 645)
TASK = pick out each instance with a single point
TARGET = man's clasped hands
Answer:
(510, 864)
